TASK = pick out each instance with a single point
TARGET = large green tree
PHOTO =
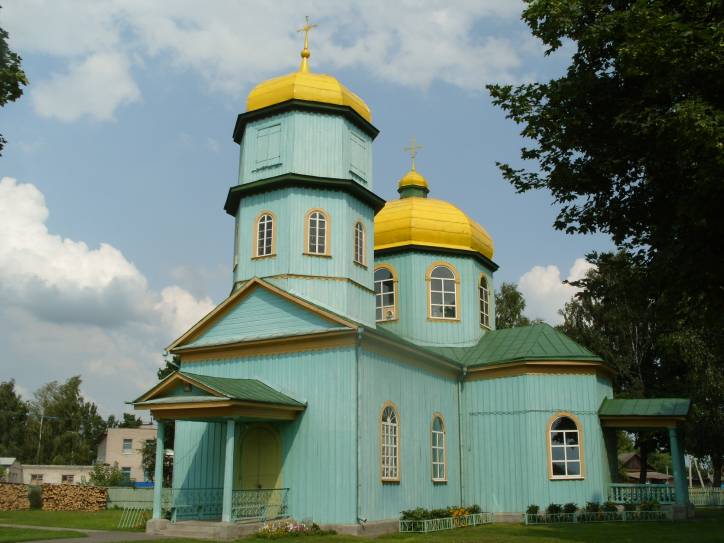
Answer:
(509, 307)
(13, 418)
(630, 140)
(12, 76)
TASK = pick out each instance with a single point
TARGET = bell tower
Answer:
(303, 203)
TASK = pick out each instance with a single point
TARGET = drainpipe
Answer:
(460, 433)
(358, 349)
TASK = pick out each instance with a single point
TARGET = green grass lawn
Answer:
(101, 520)
(33, 534)
(708, 527)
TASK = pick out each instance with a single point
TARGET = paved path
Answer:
(93, 536)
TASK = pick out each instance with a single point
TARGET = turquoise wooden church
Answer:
(355, 370)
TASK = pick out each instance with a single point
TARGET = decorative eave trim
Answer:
(484, 260)
(173, 379)
(231, 408)
(304, 105)
(237, 192)
(545, 367)
(638, 421)
(221, 309)
(276, 345)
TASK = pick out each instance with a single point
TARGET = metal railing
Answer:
(259, 504)
(628, 493)
(194, 503)
(599, 516)
(447, 523)
(707, 497)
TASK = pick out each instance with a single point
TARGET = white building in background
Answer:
(125, 446)
(38, 474)
(12, 470)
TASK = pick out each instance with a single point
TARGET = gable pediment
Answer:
(258, 311)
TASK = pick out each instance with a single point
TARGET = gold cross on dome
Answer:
(305, 52)
(412, 149)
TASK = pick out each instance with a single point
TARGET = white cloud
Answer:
(544, 290)
(67, 309)
(233, 44)
(95, 87)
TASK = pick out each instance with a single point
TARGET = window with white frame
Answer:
(565, 449)
(385, 307)
(67, 479)
(127, 445)
(264, 235)
(359, 243)
(443, 293)
(438, 449)
(36, 478)
(390, 460)
(317, 230)
(484, 302)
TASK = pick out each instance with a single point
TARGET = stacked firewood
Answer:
(74, 497)
(13, 496)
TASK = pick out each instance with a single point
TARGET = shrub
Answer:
(570, 508)
(35, 495)
(474, 509)
(291, 528)
(593, 507)
(554, 509)
(629, 507)
(609, 507)
(440, 513)
(532, 510)
(649, 505)
(415, 514)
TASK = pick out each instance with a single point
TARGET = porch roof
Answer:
(643, 412)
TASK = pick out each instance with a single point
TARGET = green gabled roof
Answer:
(649, 407)
(251, 390)
(534, 342)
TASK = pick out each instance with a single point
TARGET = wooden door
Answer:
(261, 458)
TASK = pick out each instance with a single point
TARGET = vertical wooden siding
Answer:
(417, 394)
(413, 322)
(198, 460)
(310, 143)
(318, 447)
(505, 440)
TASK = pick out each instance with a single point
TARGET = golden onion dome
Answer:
(305, 85)
(415, 220)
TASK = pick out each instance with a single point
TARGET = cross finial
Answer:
(305, 52)
(412, 149)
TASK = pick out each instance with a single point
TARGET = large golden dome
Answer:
(305, 85)
(428, 222)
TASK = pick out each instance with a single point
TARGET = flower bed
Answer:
(595, 512)
(290, 528)
(423, 520)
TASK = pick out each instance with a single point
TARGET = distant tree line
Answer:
(56, 426)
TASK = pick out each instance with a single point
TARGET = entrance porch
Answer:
(648, 414)
(246, 415)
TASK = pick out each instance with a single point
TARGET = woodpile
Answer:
(13, 497)
(74, 497)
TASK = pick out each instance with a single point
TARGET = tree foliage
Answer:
(509, 307)
(107, 475)
(149, 463)
(13, 418)
(12, 76)
(630, 140)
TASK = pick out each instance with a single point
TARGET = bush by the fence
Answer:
(13, 497)
(74, 497)
(35, 495)
(421, 513)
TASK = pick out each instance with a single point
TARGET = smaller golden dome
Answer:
(413, 178)
(429, 222)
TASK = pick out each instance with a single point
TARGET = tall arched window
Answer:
(317, 233)
(390, 444)
(565, 449)
(385, 295)
(484, 302)
(443, 293)
(359, 243)
(439, 453)
(264, 235)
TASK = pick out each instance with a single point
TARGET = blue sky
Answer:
(123, 138)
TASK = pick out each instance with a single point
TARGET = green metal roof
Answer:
(250, 390)
(534, 342)
(649, 407)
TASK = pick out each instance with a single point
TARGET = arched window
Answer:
(385, 295)
(439, 453)
(359, 243)
(565, 449)
(317, 233)
(484, 302)
(443, 293)
(390, 444)
(265, 235)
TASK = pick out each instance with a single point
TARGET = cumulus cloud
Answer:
(95, 87)
(233, 44)
(66, 308)
(545, 292)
